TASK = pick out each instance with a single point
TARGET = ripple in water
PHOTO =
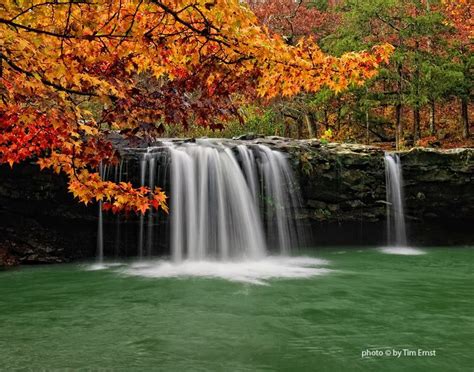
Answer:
(404, 251)
(254, 272)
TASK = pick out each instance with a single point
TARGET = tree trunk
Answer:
(465, 117)
(300, 125)
(309, 125)
(314, 124)
(433, 117)
(287, 128)
(326, 119)
(398, 110)
(367, 126)
(416, 110)
(398, 125)
(416, 124)
(338, 124)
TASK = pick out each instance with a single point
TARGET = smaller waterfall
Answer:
(396, 229)
(117, 178)
(143, 163)
(151, 214)
(100, 226)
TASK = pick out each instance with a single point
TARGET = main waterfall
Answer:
(213, 210)
(228, 200)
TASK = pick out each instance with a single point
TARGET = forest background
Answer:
(422, 97)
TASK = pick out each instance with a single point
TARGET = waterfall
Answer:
(100, 224)
(228, 200)
(151, 185)
(396, 230)
(118, 172)
(281, 196)
(143, 163)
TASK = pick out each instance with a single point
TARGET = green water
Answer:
(58, 317)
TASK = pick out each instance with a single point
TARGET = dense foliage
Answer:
(73, 70)
(422, 97)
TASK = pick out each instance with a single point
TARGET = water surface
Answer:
(64, 316)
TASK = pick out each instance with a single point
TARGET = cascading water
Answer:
(141, 233)
(227, 201)
(212, 210)
(396, 230)
(118, 172)
(396, 226)
(233, 205)
(277, 182)
(100, 225)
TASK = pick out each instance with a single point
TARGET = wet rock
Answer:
(40, 222)
(248, 137)
(7, 259)
(342, 185)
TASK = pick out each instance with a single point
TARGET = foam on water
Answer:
(404, 251)
(254, 271)
(95, 267)
(102, 266)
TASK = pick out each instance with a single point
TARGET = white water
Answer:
(246, 271)
(396, 230)
(100, 226)
(278, 186)
(118, 178)
(396, 226)
(213, 213)
(402, 251)
(141, 233)
(227, 202)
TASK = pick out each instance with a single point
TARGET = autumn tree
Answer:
(423, 70)
(296, 19)
(411, 100)
(459, 15)
(72, 71)
(293, 20)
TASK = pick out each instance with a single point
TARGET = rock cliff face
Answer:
(344, 190)
(39, 221)
(343, 187)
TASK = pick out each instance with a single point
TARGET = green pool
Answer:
(362, 301)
